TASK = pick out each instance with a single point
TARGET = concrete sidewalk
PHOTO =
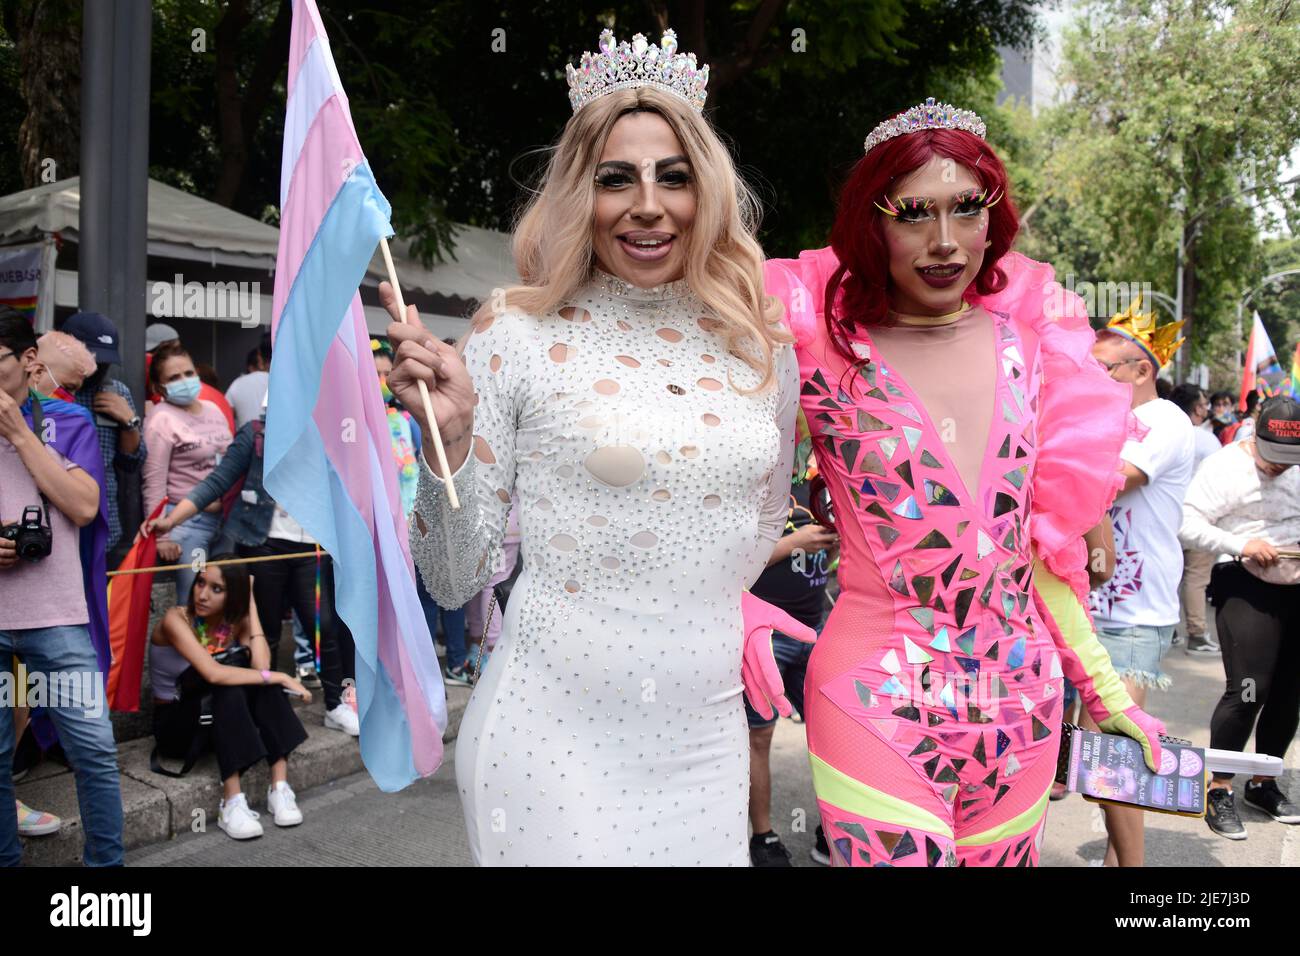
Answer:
(158, 808)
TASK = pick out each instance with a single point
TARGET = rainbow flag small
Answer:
(25, 304)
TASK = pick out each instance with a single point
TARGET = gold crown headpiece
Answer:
(1138, 327)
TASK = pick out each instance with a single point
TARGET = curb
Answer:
(157, 808)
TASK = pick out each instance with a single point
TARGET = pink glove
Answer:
(758, 670)
(1140, 726)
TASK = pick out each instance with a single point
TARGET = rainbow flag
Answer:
(329, 459)
(1295, 372)
(1261, 370)
(24, 304)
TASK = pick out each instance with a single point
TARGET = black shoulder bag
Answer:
(192, 686)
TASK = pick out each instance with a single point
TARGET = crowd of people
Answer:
(1223, 518)
(971, 517)
(1005, 495)
(188, 472)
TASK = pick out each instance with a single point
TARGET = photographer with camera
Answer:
(52, 590)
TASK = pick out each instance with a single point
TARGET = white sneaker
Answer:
(343, 718)
(238, 819)
(283, 805)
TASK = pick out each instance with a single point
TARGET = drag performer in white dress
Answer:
(638, 395)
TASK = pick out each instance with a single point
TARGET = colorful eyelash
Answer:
(980, 196)
(904, 205)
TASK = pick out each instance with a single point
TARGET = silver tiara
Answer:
(929, 115)
(639, 63)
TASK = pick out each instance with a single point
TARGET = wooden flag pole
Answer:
(424, 389)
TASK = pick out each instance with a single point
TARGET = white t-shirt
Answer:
(245, 396)
(1229, 502)
(1206, 444)
(1148, 555)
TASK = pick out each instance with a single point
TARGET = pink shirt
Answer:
(46, 593)
(183, 450)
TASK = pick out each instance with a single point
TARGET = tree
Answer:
(48, 61)
(795, 87)
(1278, 303)
(1181, 120)
(456, 102)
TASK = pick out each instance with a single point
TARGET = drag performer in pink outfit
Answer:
(968, 441)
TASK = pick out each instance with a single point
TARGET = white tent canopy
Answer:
(184, 227)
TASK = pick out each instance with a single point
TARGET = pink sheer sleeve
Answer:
(781, 278)
(1084, 418)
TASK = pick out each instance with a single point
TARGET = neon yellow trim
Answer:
(1017, 825)
(1073, 623)
(841, 790)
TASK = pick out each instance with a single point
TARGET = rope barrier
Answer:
(211, 564)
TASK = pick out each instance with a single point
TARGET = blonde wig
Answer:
(553, 247)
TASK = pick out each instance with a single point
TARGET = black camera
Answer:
(31, 535)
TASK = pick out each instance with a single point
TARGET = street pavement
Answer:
(350, 822)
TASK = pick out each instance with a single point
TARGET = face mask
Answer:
(183, 391)
(49, 373)
(385, 391)
(97, 379)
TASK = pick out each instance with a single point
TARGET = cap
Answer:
(95, 331)
(158, 333)
(1277, 433)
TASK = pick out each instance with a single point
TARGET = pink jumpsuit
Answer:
(934, 693)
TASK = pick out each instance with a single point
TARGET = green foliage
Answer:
(11, 114)
(457, 101)
(1182, 118)
(1278, 303)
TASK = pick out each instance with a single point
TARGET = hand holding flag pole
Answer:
(424, 389)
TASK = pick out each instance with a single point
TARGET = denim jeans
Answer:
(81, 718)
(304, 647)
(453, 625)
(200, 532)
(1136, 651)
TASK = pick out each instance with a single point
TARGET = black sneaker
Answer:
(308, 677)
(1221, 814)
(821, 853)
(766, 849)
(1200, 644)
(1269, 798)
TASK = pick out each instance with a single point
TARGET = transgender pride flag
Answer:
(329, 459)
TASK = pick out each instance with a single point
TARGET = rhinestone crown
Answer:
(626, 65)
(929, 115)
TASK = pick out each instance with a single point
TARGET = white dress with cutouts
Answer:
(607, 727)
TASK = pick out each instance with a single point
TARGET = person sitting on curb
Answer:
(251, 717)
(261, 528)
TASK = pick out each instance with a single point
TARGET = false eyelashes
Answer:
(967, 202)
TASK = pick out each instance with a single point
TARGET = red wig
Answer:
(857, 292)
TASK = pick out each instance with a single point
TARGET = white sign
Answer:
(20, 276)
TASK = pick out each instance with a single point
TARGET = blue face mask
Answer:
(183, 391)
